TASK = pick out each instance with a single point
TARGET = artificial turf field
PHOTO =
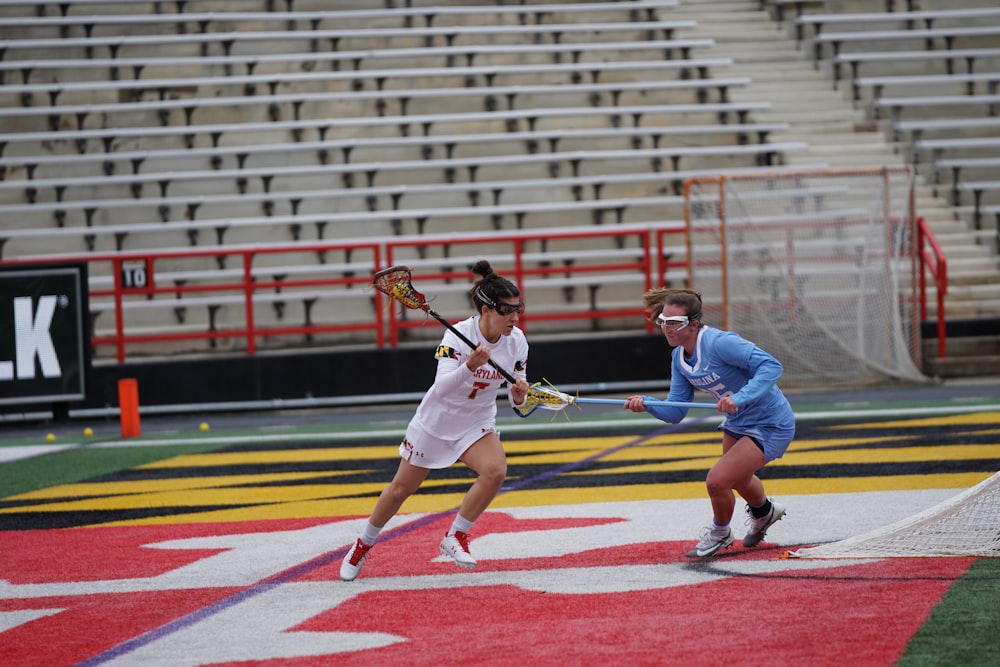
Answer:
(188, 548)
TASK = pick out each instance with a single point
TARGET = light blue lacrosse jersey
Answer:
(725, 364)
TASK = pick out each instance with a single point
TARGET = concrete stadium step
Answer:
(963, 256)
(959, 364)
(854, 140)
(748, 55)
(804, 117)
(956, 242)
(841, 135)
(973, 277)
(841, 158)
(849, 141)
(780, 63)
(956, 307)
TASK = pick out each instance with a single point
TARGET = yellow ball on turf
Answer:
(88, 431)
(51, 437)
(204, 427)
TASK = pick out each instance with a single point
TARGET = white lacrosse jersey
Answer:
(461, 400)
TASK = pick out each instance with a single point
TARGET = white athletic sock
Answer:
(370, 533)
(460, 524)
(717, 528)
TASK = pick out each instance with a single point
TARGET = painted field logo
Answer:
(44, 337)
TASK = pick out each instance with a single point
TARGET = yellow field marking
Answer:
(957, 481)
(605, 442)
(835, 443)
(254, 497)
(525, 452)
(245, 495)
(312, 455)
(629, 454)
(949, 421)
(91, 489)
(255, 492)
(432, 503)
(893, 455)
(266, 456)
(889, 456)
(776, 487)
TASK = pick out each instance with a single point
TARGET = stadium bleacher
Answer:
(132, 125)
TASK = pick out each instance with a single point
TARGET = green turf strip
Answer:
(75, 465)
(964, 627)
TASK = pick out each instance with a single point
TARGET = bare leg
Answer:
(488, 460)
(741, 459)
(404, 484)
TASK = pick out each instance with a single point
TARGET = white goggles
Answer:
(673, 322)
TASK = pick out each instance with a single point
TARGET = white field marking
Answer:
(256, 623)
(254, 557)
(12, 619)
(19, 452)
(15, 453)
(245, 560)
(260, 625)
(559, 425)
(260, 628)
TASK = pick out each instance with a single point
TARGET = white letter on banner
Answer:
(32, 337)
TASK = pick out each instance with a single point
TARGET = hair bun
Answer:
(482, 268)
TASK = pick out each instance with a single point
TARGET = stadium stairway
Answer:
(841, 135)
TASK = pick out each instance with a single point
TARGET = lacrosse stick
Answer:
(395, 282)
(550, 398)
(621, 401)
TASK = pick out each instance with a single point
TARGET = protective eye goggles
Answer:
(672, 322)
(506, 309)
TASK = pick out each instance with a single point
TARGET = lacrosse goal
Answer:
(966, 525)
(816, 267)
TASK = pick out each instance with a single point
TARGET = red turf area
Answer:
(858, 614)
(866, 619)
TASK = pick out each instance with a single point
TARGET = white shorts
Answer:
(424, 450)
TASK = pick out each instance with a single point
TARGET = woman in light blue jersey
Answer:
(759, 423)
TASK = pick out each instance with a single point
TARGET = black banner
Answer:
(44, 333)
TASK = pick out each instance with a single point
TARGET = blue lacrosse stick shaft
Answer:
(621, 401)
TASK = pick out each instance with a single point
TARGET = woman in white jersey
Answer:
(456, 420)
(759, 423)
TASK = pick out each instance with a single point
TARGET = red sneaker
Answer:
(456, 547)
(353, 561)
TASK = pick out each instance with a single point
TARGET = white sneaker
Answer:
(456, 547)
(355, 558)
(758, 527)
(711, 541)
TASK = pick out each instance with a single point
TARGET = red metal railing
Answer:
(127, 282)
(138, 278)
(931, 260)
(618, 261)
(637, 255)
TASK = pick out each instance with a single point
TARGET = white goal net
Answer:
(815, 267)
(966, 525)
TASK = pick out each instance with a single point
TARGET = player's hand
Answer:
(635, 404)
(519, 391)
(478, 357)
(726, 405)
